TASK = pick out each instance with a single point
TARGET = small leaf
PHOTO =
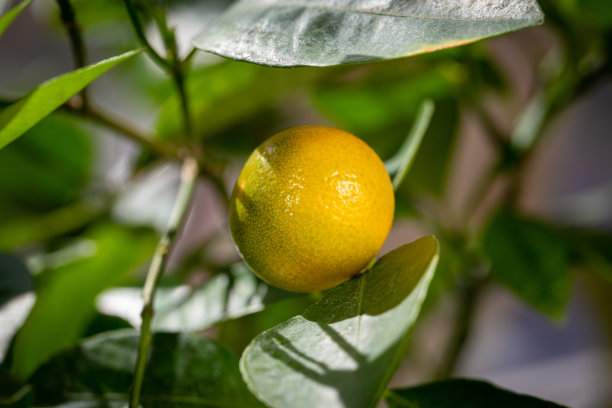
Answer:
(342, 351)
(184, 370)
(461, 393)
(403, 159)
(182, 308)
(321, 33)
(16, 298)
(7, 18)
(530, 258)
(64, 304)
(29, 110)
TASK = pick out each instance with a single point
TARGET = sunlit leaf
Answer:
(331, 32)
(184, 370)
(7, 18)
(461, 393)
(17, 118)
(65, 295)
(531, 258)
(225, 296)
(16, 298)
(342, 351)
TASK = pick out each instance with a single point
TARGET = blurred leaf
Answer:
(530, 258)
(64, 304)
(594, 248)
(29, 110)
(225, 93)
(16, 298)
(461, 393)
(184, 370)
(342, 351)
(224, 296)
(595, 13)
(321, 33)
(400, 163)
(7, 18)
(45, 168)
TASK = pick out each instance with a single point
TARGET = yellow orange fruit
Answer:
(311, 208)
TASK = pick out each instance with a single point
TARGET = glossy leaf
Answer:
(17, 118)
(461, 393)
(321, 33)
(65, 295)
(7, 18)
(16, 298)
(182, 308)
(184, 370)
(530, 258)
(342, 351)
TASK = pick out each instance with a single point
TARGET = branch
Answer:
(76, 42)
(189, 175)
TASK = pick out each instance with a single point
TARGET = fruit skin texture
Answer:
(311, 208)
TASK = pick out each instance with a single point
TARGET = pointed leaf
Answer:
(532, 259)
(460, 393)
(331, 32)
(25, 113)
(64, 303)
(342, 351)
(7, 18)
(182, 308)
(184, 370)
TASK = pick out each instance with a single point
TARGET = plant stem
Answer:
(142, 38)
(76, 42)
(189, 175)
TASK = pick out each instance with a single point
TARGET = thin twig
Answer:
(189, 175)
(76, 42)
(142, 38)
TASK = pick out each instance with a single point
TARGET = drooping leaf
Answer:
(7, 18)
(225, 296)
(184, 370)
(531, 258)
(17, 118)
(342, 351)
(16, 298)
(66, 292)
(321, 33)
(462, 393)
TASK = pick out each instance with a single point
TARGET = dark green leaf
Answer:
(29, 110)
(321, 33)
(16, 298)
(184, 370)
(460, 393)
(225, 296)
(7, 18)
(531, 258)
(342, 351)
(64, 304)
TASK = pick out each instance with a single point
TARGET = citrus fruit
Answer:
(311, 208)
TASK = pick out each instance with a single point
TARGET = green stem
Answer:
(142, 38)
(76, 41)
(189, 175)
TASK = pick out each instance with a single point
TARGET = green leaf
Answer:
(16, 298)
(322, 33)
(342, 351)
(225, 296)
(184, 370)
(403, 159)
(64, 304)
(29, 110)
(531, 258)
(7, 18)
(461, 393)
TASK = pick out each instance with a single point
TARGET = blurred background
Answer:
(522, 126)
